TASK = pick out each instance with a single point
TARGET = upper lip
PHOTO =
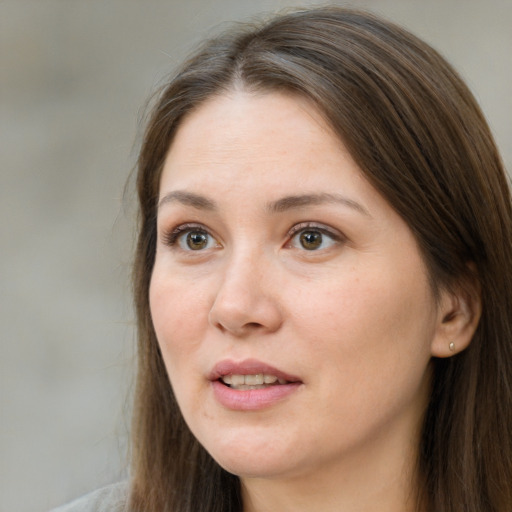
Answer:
(248, 367)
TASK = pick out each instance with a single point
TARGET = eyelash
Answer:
(172, 237)
(312, 226)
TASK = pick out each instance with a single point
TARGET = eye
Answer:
(312, 238)
(195, 240)
(191, 238)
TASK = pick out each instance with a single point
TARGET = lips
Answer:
(250, 384)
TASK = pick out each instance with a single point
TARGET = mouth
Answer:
(251, 385)
(250, 374)
(252, 381)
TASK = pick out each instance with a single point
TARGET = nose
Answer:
(247, 299)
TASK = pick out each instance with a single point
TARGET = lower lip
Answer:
(252, 399)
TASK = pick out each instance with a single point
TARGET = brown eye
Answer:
(190, 238)
(311, 240)
(196, 240)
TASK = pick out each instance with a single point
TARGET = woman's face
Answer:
(291, 304)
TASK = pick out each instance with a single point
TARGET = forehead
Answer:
(239, 135)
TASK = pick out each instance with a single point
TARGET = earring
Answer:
(451, 346)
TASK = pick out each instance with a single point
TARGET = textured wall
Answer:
(73, 77)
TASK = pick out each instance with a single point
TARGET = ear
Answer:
(459, 312)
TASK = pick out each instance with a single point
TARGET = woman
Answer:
(322, 280)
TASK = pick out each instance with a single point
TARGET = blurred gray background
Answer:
(74, 76)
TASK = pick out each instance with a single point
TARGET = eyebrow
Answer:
(188, 199)
(281, 205)
(299, 201)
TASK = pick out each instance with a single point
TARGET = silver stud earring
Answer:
(451, 346)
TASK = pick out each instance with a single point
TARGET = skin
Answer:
(355, 319)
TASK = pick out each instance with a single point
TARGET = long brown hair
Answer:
(418, 135)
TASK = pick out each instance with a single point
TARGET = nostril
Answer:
(253, 325)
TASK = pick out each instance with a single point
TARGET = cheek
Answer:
(381, 298)
(368, 323)
(180, 316)
(179, 312)
(371, 338)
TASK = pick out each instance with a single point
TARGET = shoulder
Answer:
(112, 498)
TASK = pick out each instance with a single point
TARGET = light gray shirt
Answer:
(112, 498)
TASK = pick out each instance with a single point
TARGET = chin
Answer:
(252, 468)
(254, 460)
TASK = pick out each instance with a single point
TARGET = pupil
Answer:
(196, 240)
(311, 240)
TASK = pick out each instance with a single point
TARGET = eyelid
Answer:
(302, 226)
(171, 237)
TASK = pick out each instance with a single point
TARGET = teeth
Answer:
(255, 381)
(237, 380)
